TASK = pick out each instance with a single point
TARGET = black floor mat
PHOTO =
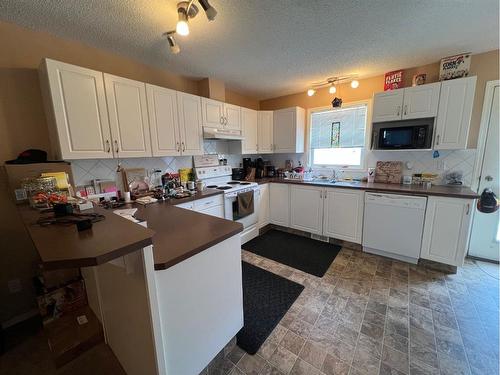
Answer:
(266, 299)
(299, 252)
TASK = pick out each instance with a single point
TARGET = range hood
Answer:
(214, 133)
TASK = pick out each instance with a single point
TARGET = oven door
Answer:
(230, 204)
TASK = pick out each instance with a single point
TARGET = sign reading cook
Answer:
(454, 67)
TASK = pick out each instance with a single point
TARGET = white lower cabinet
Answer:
(264, 206)
(446, 230)
(213, 206)
(279, 204)
(306, 208)
(343, 214)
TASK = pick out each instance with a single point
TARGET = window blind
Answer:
(339, 128)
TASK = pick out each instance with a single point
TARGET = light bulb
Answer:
(332, 89)
(354, 84)
(311, 92)
(182, 28)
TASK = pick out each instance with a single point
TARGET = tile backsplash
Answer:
(85, 171)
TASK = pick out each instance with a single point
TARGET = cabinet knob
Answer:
(468, 209)
(116, 146)
(221, 120)
(183, 147)
(399, 110)
(437, 139)
(406, 109)
(178, 146)
(108, 146)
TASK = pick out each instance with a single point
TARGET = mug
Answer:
(190, 185)
(200, 185)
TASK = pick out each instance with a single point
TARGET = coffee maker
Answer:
(259, 168)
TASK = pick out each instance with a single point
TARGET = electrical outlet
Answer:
(14, 286)
(440, 165)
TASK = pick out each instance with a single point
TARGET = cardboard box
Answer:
(17, 172)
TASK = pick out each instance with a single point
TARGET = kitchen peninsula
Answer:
(169, 296)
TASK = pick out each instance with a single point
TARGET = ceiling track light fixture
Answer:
(186, 10)
(332, 82)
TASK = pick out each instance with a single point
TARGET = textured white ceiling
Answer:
(269, 48)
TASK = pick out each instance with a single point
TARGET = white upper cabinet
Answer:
(421, 101)
(387, 105)
(446, 230)
(343, 217)
(220, 115)
(163, 121)
(190, 123)
(279, 204)
(289, 130)
(454, 114)
(265, 132)
(75, 103)
(306, 208)
(232, 117)
(249, 131)
(407, 103)
(212, 113)
(128, 116)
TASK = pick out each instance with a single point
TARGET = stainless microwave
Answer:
(403, 135)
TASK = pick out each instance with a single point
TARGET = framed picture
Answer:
(393, 80)
(454, 67)
(335, 134)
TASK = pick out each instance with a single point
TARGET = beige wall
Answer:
(23, 126)
(484, 65)
(22, 119)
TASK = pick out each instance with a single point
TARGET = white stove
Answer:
(219, 177)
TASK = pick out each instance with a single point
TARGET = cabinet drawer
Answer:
(203, 204)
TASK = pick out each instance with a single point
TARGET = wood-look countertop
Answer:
(436, 190)
(181, 233)
(176, 235)
(64, 247)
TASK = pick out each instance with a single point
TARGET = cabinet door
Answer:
(76, 98)
(212, 113)
(128, 116)
(264, 205)
(421, 101)
(343, 218)
(279, 204)
(306, 208)
(446, 230)
(284, 122)
(217, 211)
(249, 131)
(265, 132)
(163, 121)
(232, 114)
(454, 113)
(190, 120)
(387, 105)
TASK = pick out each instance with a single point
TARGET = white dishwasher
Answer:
(393, 225)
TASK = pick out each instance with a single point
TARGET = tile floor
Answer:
(371, 315)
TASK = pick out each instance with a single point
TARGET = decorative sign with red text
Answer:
(393, 80)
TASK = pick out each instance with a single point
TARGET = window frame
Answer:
(368, 127)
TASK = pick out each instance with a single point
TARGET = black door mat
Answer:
(299, 252)
(266, 299)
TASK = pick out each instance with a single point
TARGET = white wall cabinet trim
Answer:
(163, 121)
(454, 114)
(421, 101)
(128, 116)
(289, 130)
(265, 132)
(75, 103)
(249, 127)
(190, 123)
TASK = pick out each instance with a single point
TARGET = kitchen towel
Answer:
(245, 204)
